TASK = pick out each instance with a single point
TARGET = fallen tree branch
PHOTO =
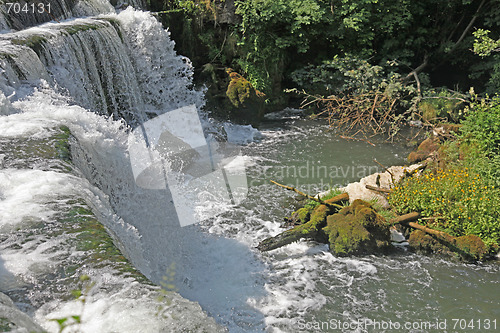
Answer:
(356, 139)
(378, 189)
(386, 169)
(405, 218)
(440, 234)
(317, 199)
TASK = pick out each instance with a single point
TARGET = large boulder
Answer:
(467, 248)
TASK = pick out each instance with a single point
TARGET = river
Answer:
(100, 76)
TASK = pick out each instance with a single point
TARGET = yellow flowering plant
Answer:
(457, 201)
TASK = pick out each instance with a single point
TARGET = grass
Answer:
(311, 204)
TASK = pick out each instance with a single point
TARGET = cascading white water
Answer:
(125, 65)
(30, 197)
(13, 17)
(286, 290)
(102, 72)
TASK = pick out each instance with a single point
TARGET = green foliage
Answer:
(481, 128)
(386, 213)
(350, 75)
(483, 44)
(239, 89)
(459, 201)
(80, 295)
(272, 32)
(441, 105)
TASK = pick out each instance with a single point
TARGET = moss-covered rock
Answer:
(300, 216)
(466, 248)
(247, 102)
(424, 243)
(312, 228)
(357, 229)
(473, 247)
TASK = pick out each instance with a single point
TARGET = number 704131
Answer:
(33, 8)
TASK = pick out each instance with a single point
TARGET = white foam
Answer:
(25, 194)
(241, 134)
(134, 308)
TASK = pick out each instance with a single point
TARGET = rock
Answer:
(357, 229)
(424, 243)
(468, 248)
(426, 149)
(247, 103)
(14, 320)
(473, 245)
(415, 123)
(358, 190)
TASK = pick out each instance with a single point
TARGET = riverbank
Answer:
(306, 283)
(454, 192)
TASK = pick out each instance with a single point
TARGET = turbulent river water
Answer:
(77, 73)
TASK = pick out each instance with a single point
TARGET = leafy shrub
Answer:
(441, 105)
(347, 75)
(482, 126)
(459, 202)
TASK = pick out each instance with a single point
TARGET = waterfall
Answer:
(114, 64)
(123, 68)
(13, 17)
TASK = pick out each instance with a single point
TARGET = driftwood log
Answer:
(310, 229)
(378, 189)
(331, 204)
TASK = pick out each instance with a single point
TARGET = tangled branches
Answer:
(368, 113)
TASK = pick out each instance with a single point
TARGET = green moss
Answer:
(35, 42)
(62, 144)
(239, 89)
(53, 152)
(92, 237)
(357, 229)
(301, 216)
(76, 28)
(466, 248)
(473, 247)
(422, 242)
(6, 325)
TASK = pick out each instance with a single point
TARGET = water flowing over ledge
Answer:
(124, 65)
